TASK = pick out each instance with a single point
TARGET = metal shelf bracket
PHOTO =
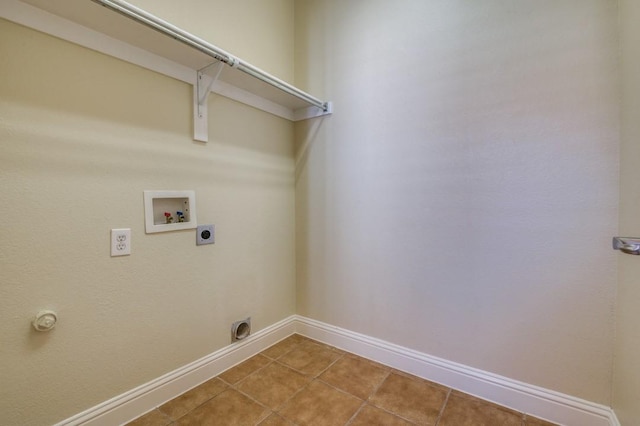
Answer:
(205, 79)
(628, 245)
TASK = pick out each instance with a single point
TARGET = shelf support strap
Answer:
(205, 79)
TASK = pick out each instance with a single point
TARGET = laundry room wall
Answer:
(462, 198)
(82, 135)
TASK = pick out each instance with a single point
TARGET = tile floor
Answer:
(299, 381)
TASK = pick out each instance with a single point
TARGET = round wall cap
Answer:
(45, 320)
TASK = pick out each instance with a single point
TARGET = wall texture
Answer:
(260, 32)
(81, 136)
(459, 202)
(626, 391)
(462, 198)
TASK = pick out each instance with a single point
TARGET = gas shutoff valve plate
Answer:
(45, 320)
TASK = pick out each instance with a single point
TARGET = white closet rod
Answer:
(166, 28)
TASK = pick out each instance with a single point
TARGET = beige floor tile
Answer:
(276, 420)
(355, 375)
(466, 410)
(324, 345)
(152, 418)
(320, 405)
(242, 370)
(533, 421)
(411, 398)
(310, 358)
(230, 408)
(277, 388)
(373, 416)
(189, 400)
(283, 346)
(273, 384)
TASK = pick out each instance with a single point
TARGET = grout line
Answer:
(341, 355)
(307, 374)
(288, 351)
(377, 388)
(329, 366)
(279, 408)
(446, 400)
(276, 360)
(271, 361)
(269, 409)
(166, 417)
(374, 391)
(352, 418)
(282, 364)
(317, 379)
(235, 388)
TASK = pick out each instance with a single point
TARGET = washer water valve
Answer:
(45, 320)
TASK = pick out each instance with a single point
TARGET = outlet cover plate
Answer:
(120, 242)
(205, 234)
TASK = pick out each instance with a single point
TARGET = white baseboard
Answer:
(539, 402)
(130, 405)
(614, 419)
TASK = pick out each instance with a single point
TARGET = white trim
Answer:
(229, 91)
(144, 398)
(311, 112)
(539, 402)
(614, 419)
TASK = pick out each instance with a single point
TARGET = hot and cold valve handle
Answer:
(628, 245)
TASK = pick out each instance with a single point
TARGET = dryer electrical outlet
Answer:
(205, 234)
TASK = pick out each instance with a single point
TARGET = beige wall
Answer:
(81, 136)
(626, 391)
(459, 202)
(462, 198)
(260, 32)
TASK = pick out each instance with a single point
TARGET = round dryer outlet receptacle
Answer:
(205, 234)
(240, 329)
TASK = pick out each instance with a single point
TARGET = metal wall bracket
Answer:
(628, 245)
(313, 111)
(205, 78)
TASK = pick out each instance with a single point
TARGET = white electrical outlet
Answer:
(121, 242)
